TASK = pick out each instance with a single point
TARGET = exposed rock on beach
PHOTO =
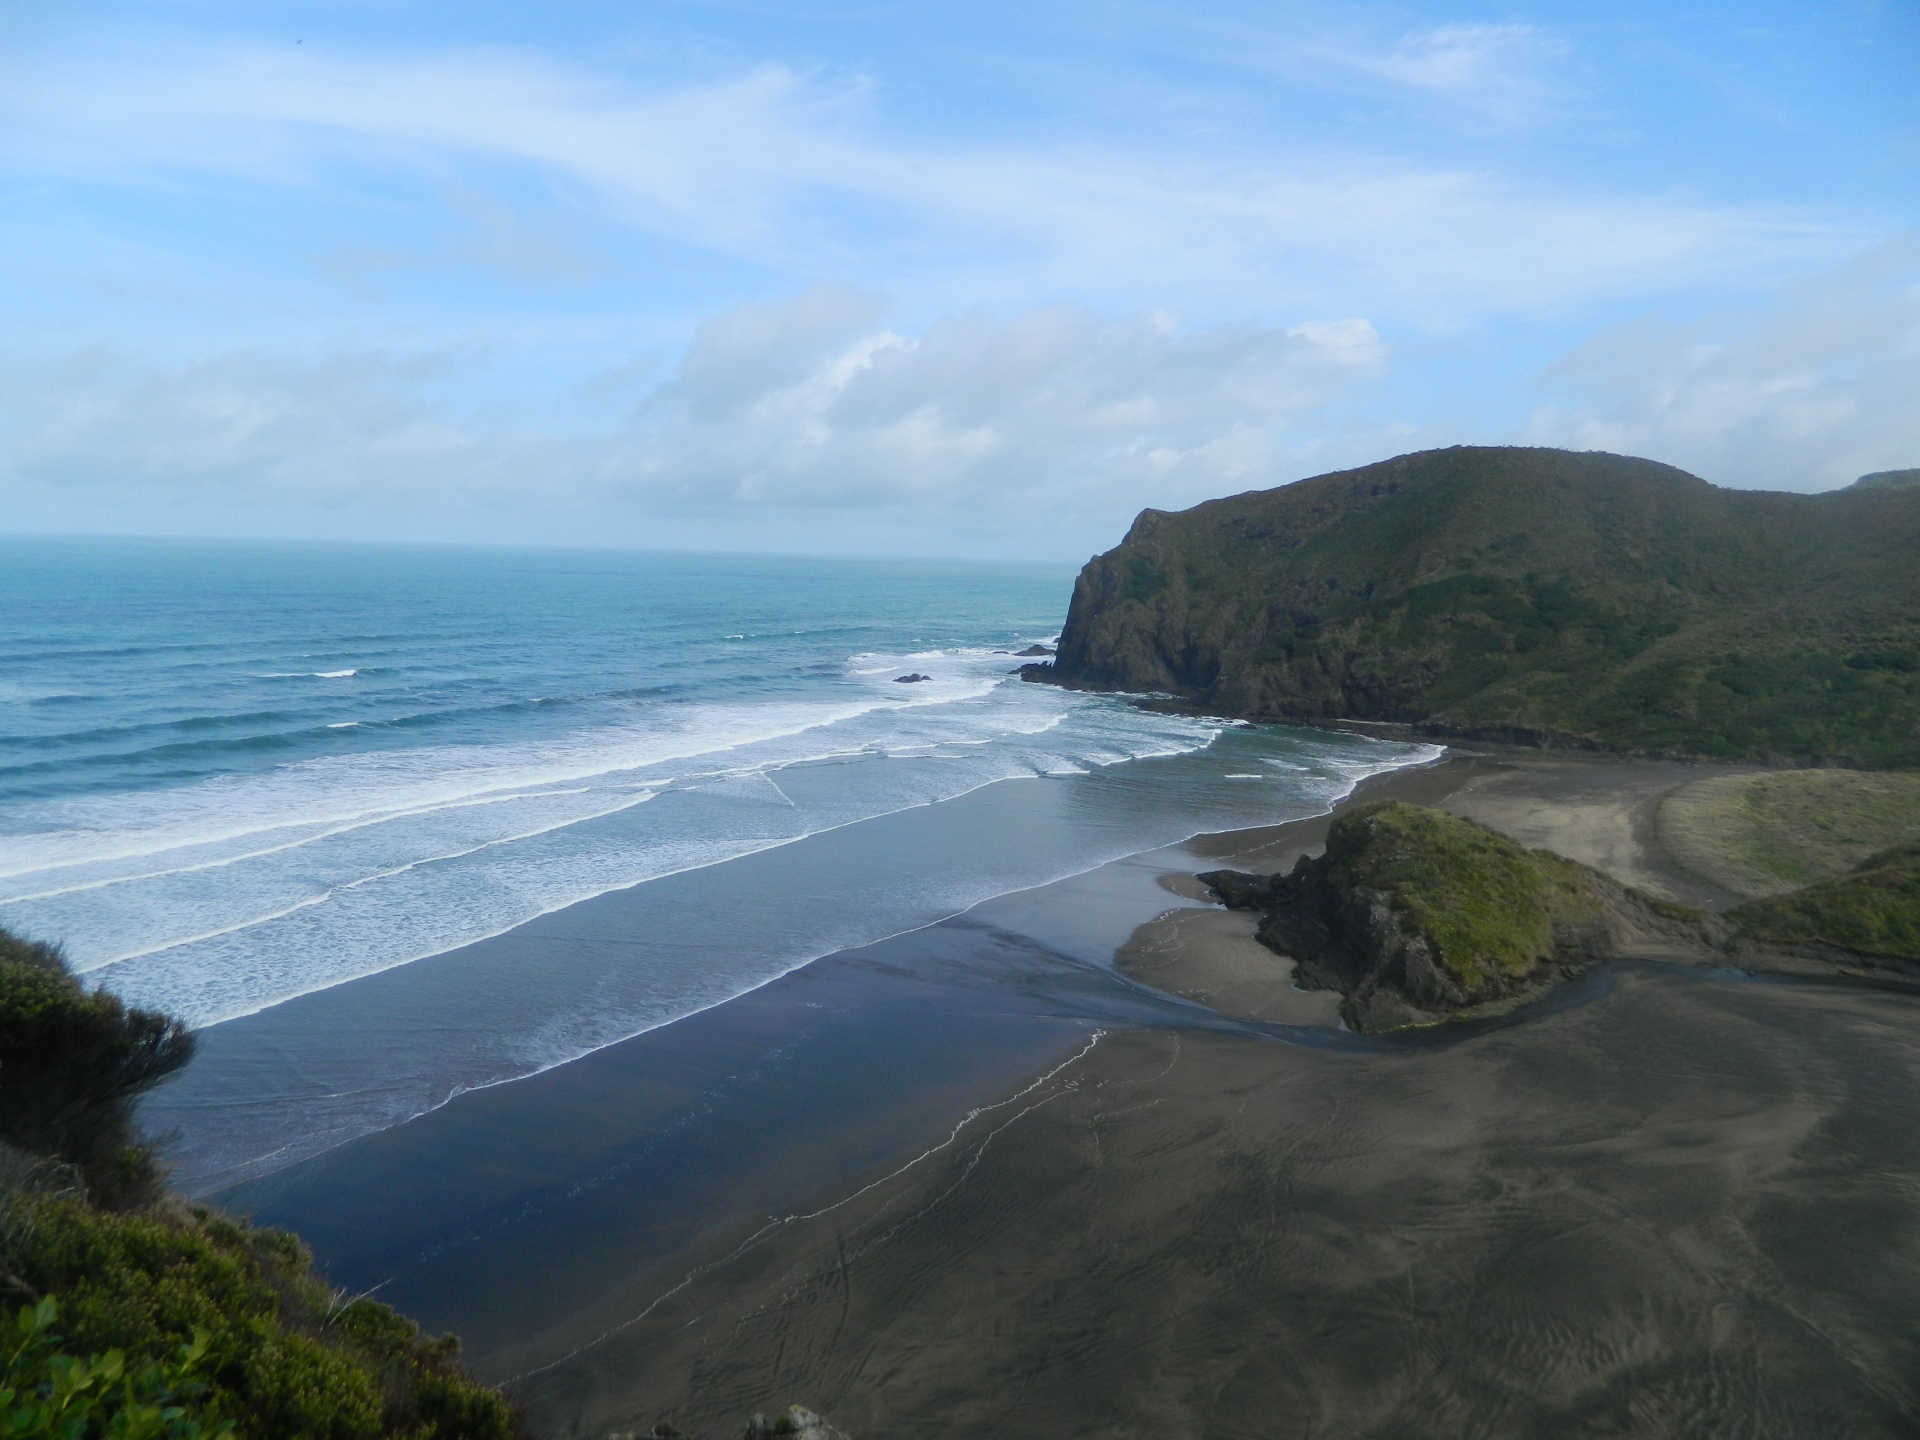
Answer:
(1417, 916)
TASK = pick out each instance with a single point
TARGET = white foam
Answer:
(231, 895)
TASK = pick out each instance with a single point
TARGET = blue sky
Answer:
(931, 279)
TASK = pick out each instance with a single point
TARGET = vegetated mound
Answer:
(1527, 594)
(1765, 834)
(1874, 910)
(1417, 916)
(126, 1313)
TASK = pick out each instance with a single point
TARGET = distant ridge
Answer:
(1887, 480)
(1533, 595)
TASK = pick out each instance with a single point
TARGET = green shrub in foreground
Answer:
(276, 1351)
(174, 1323)
(47, 1394)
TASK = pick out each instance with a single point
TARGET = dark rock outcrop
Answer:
(796, 1422)
(913, 679)
(1416, 916)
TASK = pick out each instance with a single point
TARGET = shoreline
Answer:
(1572, 1227)
(572, 1226)
(1190, 1210)
(1007, 986)
(296, 1080)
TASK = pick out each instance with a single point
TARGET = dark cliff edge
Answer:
(1529, 596)
(1416, 917)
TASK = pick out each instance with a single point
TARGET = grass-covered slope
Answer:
(1872, 910)
(1485, 909)
(1534, 594)
(1889, 480)
(125, 1313)
(1764, 834)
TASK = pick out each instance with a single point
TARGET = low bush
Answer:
(47, 1394)
(173, 1322)
(280, 1354)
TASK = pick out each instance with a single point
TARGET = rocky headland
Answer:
(1532, 596)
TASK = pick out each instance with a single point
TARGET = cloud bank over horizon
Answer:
(973, 283)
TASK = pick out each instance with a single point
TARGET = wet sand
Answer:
(1211, 956)
(1686, 1208)
(982, 1180)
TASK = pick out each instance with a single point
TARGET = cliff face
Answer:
(1583, 599)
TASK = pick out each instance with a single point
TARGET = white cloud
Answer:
(1503, 73)
(796, 173)
(1055, 410)
(804, 405)
(250, 422)
(1808, 394)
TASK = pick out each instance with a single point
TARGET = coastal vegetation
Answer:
(1764, 834)
(1530, 595)
(127, 1313)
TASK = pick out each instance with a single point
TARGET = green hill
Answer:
(1531, 595)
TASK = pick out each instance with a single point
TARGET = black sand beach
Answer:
(979, 1180)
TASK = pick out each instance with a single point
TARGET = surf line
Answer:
(781, 1222)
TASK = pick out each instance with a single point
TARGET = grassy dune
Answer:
(1762, 835)
(1874, 909)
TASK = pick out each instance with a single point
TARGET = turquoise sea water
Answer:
(236, 775)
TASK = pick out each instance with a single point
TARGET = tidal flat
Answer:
(1028, 1172)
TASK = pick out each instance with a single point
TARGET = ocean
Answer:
(333, 805)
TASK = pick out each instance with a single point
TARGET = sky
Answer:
(950, 280)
